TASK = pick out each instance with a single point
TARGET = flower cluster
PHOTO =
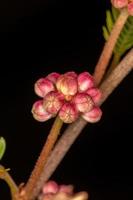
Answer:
(68, 95)
(52, 191)
(124, 3)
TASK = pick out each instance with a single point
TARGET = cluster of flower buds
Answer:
(68, 95)
(52, 191)
(122, 4)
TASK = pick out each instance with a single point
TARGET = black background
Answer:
(36, 38)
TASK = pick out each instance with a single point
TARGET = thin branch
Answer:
(104, 59)
(31, 186)
(9, 180)
(117, 75)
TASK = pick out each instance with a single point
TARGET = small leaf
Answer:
(115, 13)
(105, 33)
(109, 20)
(2, 147)
(125, 39)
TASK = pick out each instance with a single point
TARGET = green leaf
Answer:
(115, 13)
(2, 147)
(109, 20)
(125, 40)
(105, 33)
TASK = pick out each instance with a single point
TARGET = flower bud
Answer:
(83, 102)
(67, 85)
(50, 187)
(43, 86)
(39, 113)
(93, 116)
(68, 189)
(95, 94)
(53, 77)
(119, 3)
(52, 102)
(73, 74)
(85, 81)
(68, 113)
(130, 8)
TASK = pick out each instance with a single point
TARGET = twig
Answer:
(104, 59)
(31, 187)
(8, 179)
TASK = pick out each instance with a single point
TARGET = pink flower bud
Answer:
(53, 191)
(53, 77)
(53, 101)
(119, 3)
(67, 84)
(73, 74)
(43, 86)
(93, 116)
(68, 113)
(85, 81)
(50, 187)
(39, 113)
(68, 189)
(83, 102)
(130, 8)
(95, 94)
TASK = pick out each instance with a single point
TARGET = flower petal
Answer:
(83, 102)
(93, 116)
(39, 113)
(68, 113)
(85, 81)
(43, 86)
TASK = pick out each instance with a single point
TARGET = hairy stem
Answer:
(73, 131)
(8, 179)
(31, 187)
(104, 59)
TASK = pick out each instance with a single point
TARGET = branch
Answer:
(104, 59)
(31, 186)
(9, 180)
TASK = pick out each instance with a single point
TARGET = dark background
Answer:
(36, 38)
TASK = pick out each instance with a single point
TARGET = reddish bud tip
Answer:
(53, 77)
(67, 84)
(72, 74)
(68, 189)
(95, 94)
(130, 8)
(39, 113)
(68, 113)
(43, 86)
(50, 187)
(119, 3)
(85, 81)
(83, 102)
(52, 102)
(93, 116)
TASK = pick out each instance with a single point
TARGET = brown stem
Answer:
(109, 46)
(117, 75)
(31, 187)
(73, 131)
(114, 63)
(8, 179)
